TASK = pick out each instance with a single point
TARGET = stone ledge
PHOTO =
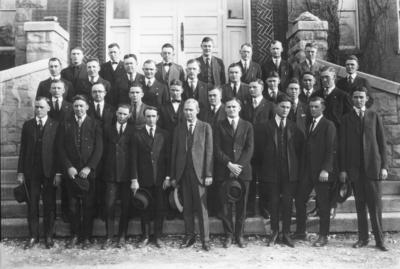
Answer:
(46, 26)
(307, 26)
(23, 70)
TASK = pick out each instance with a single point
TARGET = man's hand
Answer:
(323, 176)
(72, 172)
(57, 180)
(383, 174)
(208, 181)
(343, 176)
(134, 186)
(84, 172)
(20, 178)
(166, 183)
(232, 175)
(173, 183)
(236, 169)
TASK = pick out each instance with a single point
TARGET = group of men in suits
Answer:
(118, 131)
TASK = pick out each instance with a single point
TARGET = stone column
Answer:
(46, 39)
(307, 28)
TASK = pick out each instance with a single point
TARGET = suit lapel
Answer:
(355, 119)
(171, 111)
(47, 128)
(239, 129)
(259, 107)
(228, 127)
(250, 70)
(273, 130)
(72, 128)
(115, 135)
(221, 113)
(145, 136)
(32, 127)
(214, 65)
(183, 133)
(157, 141)
(173, 72)
(320, 124)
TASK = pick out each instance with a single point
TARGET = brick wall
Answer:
(280, 14)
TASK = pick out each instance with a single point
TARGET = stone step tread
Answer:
(9, 162)
(345, 222)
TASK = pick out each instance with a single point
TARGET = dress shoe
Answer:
(265, 214)
(273, 238)
(187, 242)
(49, 243)
(313, 213)
(299, 236)
(382, 246)
(250, 214)
(240, 242)
(72, 242)
(321, 241)
(333, 213)
(86, 244)
(171, 215)
(30, 243)
(65, 217)
(159, 243)
(361, 243)
(228, 242)
(206, 246)
(143, 242)
(287, 240)
(121, 242)
(107, 244)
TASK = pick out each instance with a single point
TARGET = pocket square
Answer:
(303, 115)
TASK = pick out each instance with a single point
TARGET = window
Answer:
(398, 17)
(348, 21)
(7, 15)
(235, 9)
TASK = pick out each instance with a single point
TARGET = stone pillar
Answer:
(46, 39)
(306, 28)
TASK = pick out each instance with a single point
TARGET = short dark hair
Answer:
(312, 45)
(293, 81)
(193, 61)
(257, 80)
(55, 59)
(316, 99)
(207, 39)
(175, 82)
(273, 74)
(359, 89)
(130, 55)
(309, 73)
(329, 69)
(352, 57)
(235, 65)
(276, 42)
(125, 105)
(216, 88)
(283, 98)
(80, 97)
(40, 98)
(78, 48)
(93, 59)
(57, 81)
(112, 45)
(150, 108)
(149, 61)
(136, 85)
(167, 45)
(234, 99)
(248, 45)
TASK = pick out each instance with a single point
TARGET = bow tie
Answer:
(169, 64)
(176, 101)
(114, 62)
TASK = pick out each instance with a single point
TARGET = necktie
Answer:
(245, 67)
(273, 96)
(213, 111)
(149, 84)
(134, 113)
(192, 88)
(40, 125)
(234, 89)
(131, 78)
(313, 125)
(361, 114)
(80, 122)
(57, 106)
(233, 124)
(281, 125)
(311, 66)
(98, 111)
(349, 82)
(276, 65)
(176, 101)
(120, 130)
(326, 93)
(76, 72)
(294, 107)
(191, 129)
(207, 62)
(308, 93)
(151, 134)
(92, 80)
(255, 103)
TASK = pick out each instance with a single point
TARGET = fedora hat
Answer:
(232, 190)
(142, 199)
(80, 186)
(20, 193)
(342, 191)
(175, 200)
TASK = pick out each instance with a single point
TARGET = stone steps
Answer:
(344, 222)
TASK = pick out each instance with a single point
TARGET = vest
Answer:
(282, 157)
(189, 141)
(37, 152)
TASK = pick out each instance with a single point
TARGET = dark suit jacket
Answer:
(323, 151)
(175, 72)
(151, 162)
(253, 71)
(264, 112)
(166, 117)
(295, 143)
(91, 145)
(45, 86)
(337, 104)
(206, 115)
(140, 120)
(268, 97)
(85, 87)
(117, 154)
(303, 67)
(202, 151)
(65, 113)
(242, 93)
(109, 116)
(285, 72)
(218, 70)
(156, 95)
(300, 117)
(51, 164)
(358, 81)
(303, 96)
(200, 94)
(107, 72)
(121, 89)
(68, 74)
(374, 145)
(236, 148)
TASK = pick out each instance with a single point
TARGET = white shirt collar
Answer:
(53, 99)
(194, 124)
(353, 76)
(95, 79)
(330, 89)
(247, 63)
(119, 126)
(101, 104)
(237, 85)
(209, 57)
(83, 117)
(148, 128)
(358, 109)
(133, 74)
(194, 80)
(316, 121)
(258, 99)
(56, 77)
(310, 62)
(269, 91)
(276, 59)
(305, 91)
(217, 106)
(278, 120)
(236, 119)
(151, 79)
(44, 119)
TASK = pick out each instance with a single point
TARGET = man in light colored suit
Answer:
(250, 69)
(192, 169)
(137, 116)
(235, 88)
(212, 68)
(168, 70)
(309, 64)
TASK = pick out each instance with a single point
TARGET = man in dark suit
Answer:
(235, 88)
(364, 161)
(77, 70)
(257, 112)
(117, 152)
(84, 86)
(273, 83)
(298, 111)
(192, 169)
(278, 65)
(233, 149)
(352, 80)
(212, 68)
(167, 70)
(150, 168)
(194, 87)
(318, 169)
(309, 64)
(249, 68)
(45, 85)
(137, 117)
(308, 86)
(80, 148)
(152, 87)
(39, 170)
(283, 142)
(113, 69)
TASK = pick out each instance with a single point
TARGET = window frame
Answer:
(356, 24)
